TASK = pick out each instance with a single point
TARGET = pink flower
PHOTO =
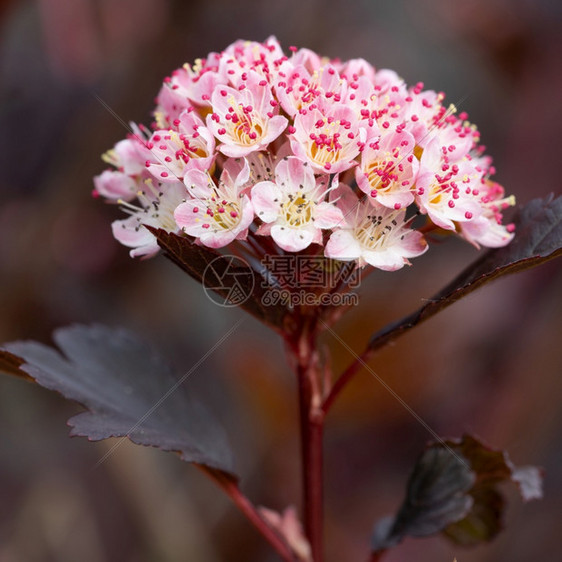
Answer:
(174, 151)
(115, 185)
(444, 190)
(216, 214)
(157, 210)
(379, 103)
(293, 207)
(297, 88)
(263, 58)
(355, 68)
(423, 112)
(129, 155)
(456, 139)
(329, 140)
(388, 170)
(245, 120)
(487, 229)
(373, 234)
(188, 86)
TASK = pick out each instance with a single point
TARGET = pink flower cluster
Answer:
(254, 147)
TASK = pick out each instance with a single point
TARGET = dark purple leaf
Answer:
(437, 495)
(246, 283)
(127, 389)
(452, 490)
(538, 239)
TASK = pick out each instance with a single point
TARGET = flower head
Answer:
(275, 152)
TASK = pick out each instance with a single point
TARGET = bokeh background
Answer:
(490, 365)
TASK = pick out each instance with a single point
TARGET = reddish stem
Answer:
(312, 467)
(309, 380)
(248, 509)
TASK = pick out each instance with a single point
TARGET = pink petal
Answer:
(197, 183)
(266, 197)
(190, 217)
(130, 232)
(217, 239)
(294, 175)
(292, 239)
(115, 185)
(327, 215)
(387, 260)
(342, 246)
(275, 127)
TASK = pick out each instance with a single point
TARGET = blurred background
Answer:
(489, 365)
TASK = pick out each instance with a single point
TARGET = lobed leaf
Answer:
(128, 391)
(538, 239)
(452, 489)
